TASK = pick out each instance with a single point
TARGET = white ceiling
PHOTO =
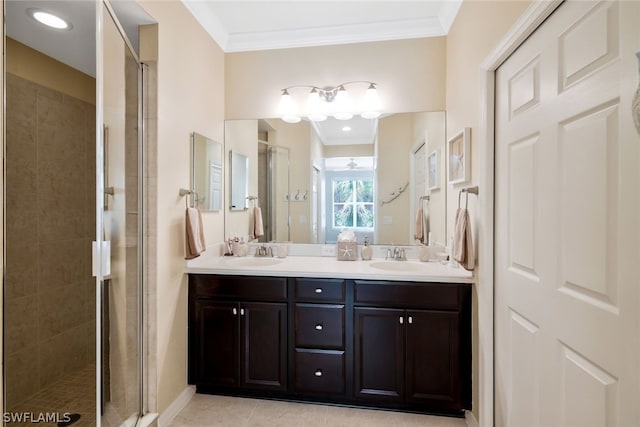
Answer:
(241, 25)
(75, 47)
(361, 131)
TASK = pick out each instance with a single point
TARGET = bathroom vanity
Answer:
(327, 331)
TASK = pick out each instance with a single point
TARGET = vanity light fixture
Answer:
(329, 101)
(49, 19)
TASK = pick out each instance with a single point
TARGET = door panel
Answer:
(432, 363)
(120, 221)
(218, 352)
(264, 345)
(379, 353)
(566, 222)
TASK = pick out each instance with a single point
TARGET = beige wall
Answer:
(395, 139)
(296, 137)
(430, 127)
(477, 29)
(410, 74)
(46, 71)
(190, 85)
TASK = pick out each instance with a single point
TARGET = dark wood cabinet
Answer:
(412, 355)
(379, 354)
(238, 344)
(320, 357)
(399, 345)
(218, 346)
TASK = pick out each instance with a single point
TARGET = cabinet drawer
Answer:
(238, 287)
(320, 326)
(319, 371)
(407, 294)
(330, 290)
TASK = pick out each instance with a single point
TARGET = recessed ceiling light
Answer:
(346, 128)
(49, 19)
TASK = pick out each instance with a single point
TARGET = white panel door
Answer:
(566, 226)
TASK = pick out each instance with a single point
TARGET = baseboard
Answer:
(470, 419)
(176, 406)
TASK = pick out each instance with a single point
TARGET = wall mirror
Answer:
(206, 173)
(239, 180)
(368, 175)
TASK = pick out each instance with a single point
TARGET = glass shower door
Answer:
(119, 225)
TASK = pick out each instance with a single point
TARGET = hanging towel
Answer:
(463, 241)
(194, 242)
(256, 227)
(419, 233)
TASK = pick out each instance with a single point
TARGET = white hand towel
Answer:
(258, 226)
(194, 233)
(462, 250)
(419, 233)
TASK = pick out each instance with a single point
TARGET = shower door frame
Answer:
(103, 6)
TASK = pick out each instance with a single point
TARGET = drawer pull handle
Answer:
(242, 312)
(319, 327)
(401, 320)
(410, 319)
(318, 290)
(318, 373)
(235, 311)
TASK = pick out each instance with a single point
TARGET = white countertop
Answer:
(329, 267)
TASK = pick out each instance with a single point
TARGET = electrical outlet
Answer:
(328, 250)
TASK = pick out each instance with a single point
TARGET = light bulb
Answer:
(287, 108)
(315, 107)
(342, 105)
(371, 103)
(49, 19)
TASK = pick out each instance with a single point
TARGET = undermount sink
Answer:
(395, 266)
(254, 262)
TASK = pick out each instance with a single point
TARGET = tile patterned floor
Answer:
(208, 410)
(74, 394)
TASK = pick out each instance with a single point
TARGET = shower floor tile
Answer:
(74, 394)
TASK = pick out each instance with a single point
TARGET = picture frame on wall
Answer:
(433, 170)
(459, 157)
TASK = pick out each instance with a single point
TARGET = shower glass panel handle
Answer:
(101, 259)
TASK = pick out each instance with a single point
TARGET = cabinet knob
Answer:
(318, 290)
(235, 311)
(319, 327)
(318, 373)
(401, 320)
(242, 312)
(410, 319)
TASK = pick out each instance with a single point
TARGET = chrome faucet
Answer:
(264, 250)
(398, 254)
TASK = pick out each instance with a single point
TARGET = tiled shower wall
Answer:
(50, 217)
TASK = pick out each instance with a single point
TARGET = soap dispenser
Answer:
(366, 250)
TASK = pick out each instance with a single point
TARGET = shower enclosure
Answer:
(73, 198)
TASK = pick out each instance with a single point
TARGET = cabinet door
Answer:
(264, 346)
(379, 353)
(432, 358)
(218, 345)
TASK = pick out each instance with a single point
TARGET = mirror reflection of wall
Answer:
(328, 161)
(206, 168)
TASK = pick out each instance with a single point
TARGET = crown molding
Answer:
(343, 34)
